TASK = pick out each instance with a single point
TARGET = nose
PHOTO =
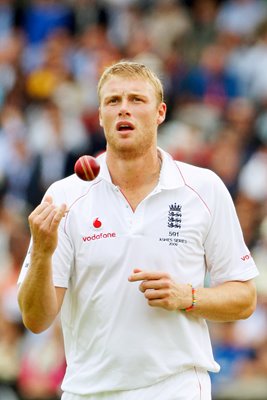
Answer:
(124, 108)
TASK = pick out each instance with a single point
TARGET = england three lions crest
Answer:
(175, 216)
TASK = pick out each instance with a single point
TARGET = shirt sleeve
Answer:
(227, 256)
(62, 260)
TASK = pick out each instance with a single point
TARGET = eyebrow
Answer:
(129, 95)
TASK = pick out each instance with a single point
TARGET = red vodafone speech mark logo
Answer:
(97, 224)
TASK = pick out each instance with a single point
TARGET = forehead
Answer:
(122, 85)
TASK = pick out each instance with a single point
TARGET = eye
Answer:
(112, 100)
(137, 99)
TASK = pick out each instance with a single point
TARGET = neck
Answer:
(135, 173)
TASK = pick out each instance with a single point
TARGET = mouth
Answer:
(124, 126)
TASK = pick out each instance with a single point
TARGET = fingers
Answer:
(155, 285)
(158, 288)
(47, 215)
(140, 275)
(48, 199)
(150, 279)
(152, 294)
(59, 213)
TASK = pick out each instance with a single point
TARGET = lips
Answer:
(124, 126)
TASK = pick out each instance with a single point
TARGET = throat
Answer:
(139, 187)
(136, 177)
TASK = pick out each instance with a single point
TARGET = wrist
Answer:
(39, 256)
(193, 299)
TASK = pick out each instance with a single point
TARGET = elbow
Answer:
(34, 322)
(250, 305)
(249, 310)
(34, 325)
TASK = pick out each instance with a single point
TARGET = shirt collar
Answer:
(170, 174)
(104, 172)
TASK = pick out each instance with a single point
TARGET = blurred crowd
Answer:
(212, 58)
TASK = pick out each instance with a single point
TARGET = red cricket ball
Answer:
(87, 168)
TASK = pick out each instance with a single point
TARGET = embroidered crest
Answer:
(175, 216)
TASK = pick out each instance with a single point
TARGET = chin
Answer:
(128, 151)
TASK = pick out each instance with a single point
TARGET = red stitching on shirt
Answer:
(190, 187)
(78, 198)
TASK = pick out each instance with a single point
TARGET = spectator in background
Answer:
(11, 340)
(88, 13)
(253, 176)
(210, 81)
(11, 327)
(42, 366)
(7, 19)
(236, 141)
(54, 68)
(260, 253)
(15, 156)
(56, 139)
(202, 31)
(40, 20)
(43, 17)
(250, 63)
(230, 352)
(173, 15)
(11, 49)
(225, 157)
(93, 50)
(119, 13)
(240, 17)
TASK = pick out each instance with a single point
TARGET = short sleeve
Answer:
(227, 255)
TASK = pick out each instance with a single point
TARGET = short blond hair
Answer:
(134, 70)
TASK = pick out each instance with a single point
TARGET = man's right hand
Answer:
(44, 222)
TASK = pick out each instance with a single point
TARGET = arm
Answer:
(38, 299)
(229, 301)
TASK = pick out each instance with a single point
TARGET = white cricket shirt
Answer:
(113, 339)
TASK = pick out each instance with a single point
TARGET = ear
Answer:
(100, 118)
(161, 113)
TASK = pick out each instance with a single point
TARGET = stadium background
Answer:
(212, 58)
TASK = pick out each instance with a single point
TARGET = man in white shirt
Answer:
(124, 258)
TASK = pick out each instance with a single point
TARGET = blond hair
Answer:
(133, 70)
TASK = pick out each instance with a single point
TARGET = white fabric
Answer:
(191, 384)
(114, 340)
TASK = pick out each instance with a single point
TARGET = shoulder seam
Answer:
(191, 188)
(76, 200)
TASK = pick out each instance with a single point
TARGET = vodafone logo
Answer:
(97, 224)
(101, 235)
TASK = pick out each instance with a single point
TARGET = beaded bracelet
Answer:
(194, 301)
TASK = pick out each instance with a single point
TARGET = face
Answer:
(130, 114)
